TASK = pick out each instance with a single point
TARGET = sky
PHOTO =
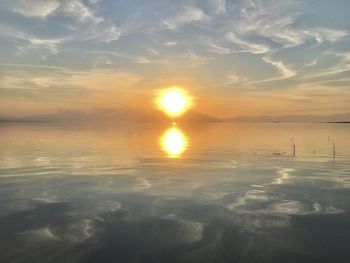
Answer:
(235, 57)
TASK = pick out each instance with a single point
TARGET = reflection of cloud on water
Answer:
(44, 160)
(143, 183)
(69, 232)
(41, 233)
(292, 207)
(75, 231)
(251, 196)
(284, 175)
(108, 206)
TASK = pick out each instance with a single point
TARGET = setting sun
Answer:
(174, 102)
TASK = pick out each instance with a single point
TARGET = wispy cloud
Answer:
(32, 8)
(219, 49)
(284, 70)
(245, 46)
(189, 15)
(78, 21)
(142, 60)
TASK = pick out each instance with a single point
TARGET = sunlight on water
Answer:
(174, 142)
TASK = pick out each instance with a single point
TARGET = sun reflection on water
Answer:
(174, 142)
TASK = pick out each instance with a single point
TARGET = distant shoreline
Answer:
(20, 121)
(339, 122)
(217, 121)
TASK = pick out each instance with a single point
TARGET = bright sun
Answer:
(173, 102)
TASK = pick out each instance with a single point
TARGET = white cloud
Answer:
(82, 21)
(247, 46)
(190, 15)
(285, 71)
(80, 11)
(87, 24)
(312, 63)
(330, 72)
(271, 19)
(48, 44)
(326, 34)
(170, 43)
(277, 22)
(219, 49)
(233, 79)
(28, 43)
(142, 60)
(33, 8)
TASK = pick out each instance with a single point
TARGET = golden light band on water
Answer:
(174, 142)
(173, 101)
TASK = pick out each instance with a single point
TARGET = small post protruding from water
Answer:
(293, 148)
(333, 143)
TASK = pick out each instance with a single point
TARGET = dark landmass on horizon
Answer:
(129, 115)
(339, 122)
(307, 118)
(115, 115)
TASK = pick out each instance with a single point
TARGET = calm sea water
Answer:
(177, 193)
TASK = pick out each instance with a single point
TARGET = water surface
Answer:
(184, 193)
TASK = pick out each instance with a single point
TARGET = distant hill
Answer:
(193, 116)
(115, 115)
(132, 115)
(338, 118)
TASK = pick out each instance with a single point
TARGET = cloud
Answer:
(25, 82)
(271, 20)
(170, 43)
(81, 12)
(334, 71)
(326, 34)
(246, 46)
(32, 8)
(86, 24)
(44, 8)
(236, 80)
(277, 23)
(219, 49)
(312, 63)
(43, 47)
(142, 60)
(76, 21)
(285, 71)
(35, 81)
(189, 15)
